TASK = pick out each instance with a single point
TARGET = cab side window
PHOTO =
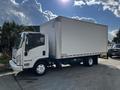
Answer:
(35, 40)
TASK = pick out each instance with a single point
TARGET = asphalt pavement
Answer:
(104, 76)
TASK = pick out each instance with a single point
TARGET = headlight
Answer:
(18, 60)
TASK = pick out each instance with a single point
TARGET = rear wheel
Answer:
(88, 61)
(40, 68)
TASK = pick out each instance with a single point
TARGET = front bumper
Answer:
(115, 53)
(15, 67)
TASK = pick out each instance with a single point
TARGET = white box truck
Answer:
(60, 41)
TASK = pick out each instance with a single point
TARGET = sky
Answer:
(36, 12)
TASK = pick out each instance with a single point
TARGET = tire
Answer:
(110, 56)
(58, 64)
(88, 62)
(40, 68)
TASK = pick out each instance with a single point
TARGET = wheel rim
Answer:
(90, 61)
(40, 69)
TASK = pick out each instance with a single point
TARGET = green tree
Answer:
(117, 38)
(10, 31)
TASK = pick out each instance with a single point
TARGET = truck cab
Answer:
(31, 49)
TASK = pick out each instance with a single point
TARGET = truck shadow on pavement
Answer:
(29, 76)
(79, 77)
(98, 77)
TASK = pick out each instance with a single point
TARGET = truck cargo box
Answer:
(74, 38)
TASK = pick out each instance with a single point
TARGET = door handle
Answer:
(25, 53)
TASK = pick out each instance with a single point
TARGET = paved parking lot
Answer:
(105, 76)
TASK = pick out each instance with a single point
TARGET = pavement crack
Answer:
(18, 83)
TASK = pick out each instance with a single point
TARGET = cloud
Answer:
(112, 34)
(22, 17)
(84, 19)
(24, 1)
(14, 2)
(11, 10)
(6, 14)
(49, 15)
(27, 12)
(111, 5)
(79, 3)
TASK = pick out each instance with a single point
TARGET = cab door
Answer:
(36, 48)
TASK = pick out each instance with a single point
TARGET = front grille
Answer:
(116, 50)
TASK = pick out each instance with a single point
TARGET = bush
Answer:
(4, 59)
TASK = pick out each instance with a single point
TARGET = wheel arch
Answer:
(44, 60)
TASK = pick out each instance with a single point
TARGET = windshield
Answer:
(17, 42)
(116, 46)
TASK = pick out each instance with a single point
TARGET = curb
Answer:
(7, 73)
(5, 69)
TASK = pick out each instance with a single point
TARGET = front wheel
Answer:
(88, 62)
(110, 56)
(40, 68)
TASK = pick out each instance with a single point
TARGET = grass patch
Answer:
(4, 59)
